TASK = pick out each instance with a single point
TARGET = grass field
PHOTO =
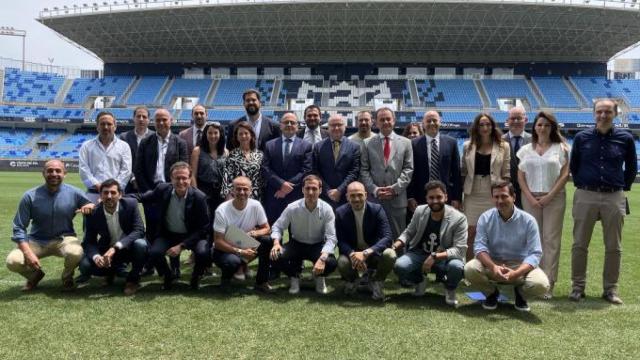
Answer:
(97, 322)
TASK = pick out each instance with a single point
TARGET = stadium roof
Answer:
(263, 32)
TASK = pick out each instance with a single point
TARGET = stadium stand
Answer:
(147, 90)
(448, 93)
(509, 89)
(300, 90)
(31, 87)
(188, 88)
(41, 112)
(555, 92)
(387, 89)
(230, 91)
(83, 88)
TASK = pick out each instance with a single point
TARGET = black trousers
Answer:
(201, 250)
(136, 254)
(229, 263)
(295, 252)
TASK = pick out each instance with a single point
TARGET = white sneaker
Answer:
(377, 293)
(294, 286)
(420, 288)
(321, 285)
(350, 287)
(450, 297)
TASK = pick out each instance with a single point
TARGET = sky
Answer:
(45, 46)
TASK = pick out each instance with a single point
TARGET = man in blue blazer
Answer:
(435, 157)
(364, 240)
(287, 160)
(133, 137)
(336, 160)
(184, 224)
(114, 236)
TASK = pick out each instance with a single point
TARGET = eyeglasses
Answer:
(289, 122)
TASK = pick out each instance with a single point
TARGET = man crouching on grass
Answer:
(50, 208)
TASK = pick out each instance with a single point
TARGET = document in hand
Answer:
(238, 238)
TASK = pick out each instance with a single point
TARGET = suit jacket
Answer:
(526, 139)
(500, 163)
(453, 231)
(145, 169)
(449, 168)
(275, 171)
(375, 228)
(268, 130)
(323, 133)
(131, 139)
(336, 174)
(196, 212)
(187, 136)
(397, 173)
(97, 239)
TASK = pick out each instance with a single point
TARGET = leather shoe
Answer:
(576, 295)
(167, 284)
(31, 284)
(613, 298)
(130, 288)
(194, 283)
(265, 287)
(68, 285)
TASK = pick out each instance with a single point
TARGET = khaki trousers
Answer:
(535, 283)
(589, 207)
(68, 248)
(550, 220)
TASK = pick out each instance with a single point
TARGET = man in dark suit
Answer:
(134, 137)
(435, 157)
(287, 160)
(312, 132)
(336, 160)
(517, 138)
(114, 236)
(364, 240)
(194, 133)
(183, 224)
(263, 126)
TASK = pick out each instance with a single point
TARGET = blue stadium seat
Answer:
(188, 88)
(147, 90)
(448, 93)
(230, 91)
(510, 89)
(31, 87)
(83, 88)
(555, 92)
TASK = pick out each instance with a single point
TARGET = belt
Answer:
(602, 189)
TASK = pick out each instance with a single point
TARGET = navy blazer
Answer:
(196, 212)
(336, 174)
(375, 228)
(130, 138)
(97, 239)
(276, 171)
(145, 169)
(268, 130)
(449, 168)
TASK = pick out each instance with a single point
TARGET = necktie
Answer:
(434, 166)
(287, 148)
(336, 150)
(387, 150)
(516, 145)
(198, 137)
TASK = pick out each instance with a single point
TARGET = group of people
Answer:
(388, 203)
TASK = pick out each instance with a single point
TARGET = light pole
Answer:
(10, 31)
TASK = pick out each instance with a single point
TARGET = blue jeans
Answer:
(408, 267)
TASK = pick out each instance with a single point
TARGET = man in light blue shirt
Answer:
(50, 209)
(507, 250)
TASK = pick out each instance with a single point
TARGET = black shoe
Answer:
(168, 282)
(491, 302)
(108, 280)
(176, 272)
(82, 280)
(521, 304)
(194, 283)
(147, 271)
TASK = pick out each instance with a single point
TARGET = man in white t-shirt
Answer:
(248, 215)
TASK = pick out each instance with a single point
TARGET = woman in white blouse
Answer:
(542, 173)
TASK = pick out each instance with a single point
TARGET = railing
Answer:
(68, 72)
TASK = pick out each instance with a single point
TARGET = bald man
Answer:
(364, 240)
(517, 137)
(49, 209)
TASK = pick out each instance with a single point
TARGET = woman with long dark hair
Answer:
(207, 162)
(244, 160)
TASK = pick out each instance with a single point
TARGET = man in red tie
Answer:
(387, 166)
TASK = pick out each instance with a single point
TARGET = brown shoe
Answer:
(265, 287)
(612, 298)
(31, 284)
(68, 285)
(130, 288)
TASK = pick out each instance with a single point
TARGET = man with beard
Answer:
(363, 118)
(312, 132)
(104, 157)
(50, 209)
(507, 250)
(114, 236)
(133, 137)
(263, 127)
(193, 134)
(436, 241)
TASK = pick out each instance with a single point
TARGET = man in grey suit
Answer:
(516, 137)
(193, 134)
(386, 169)
(134, 136)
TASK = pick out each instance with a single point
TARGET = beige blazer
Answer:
(500, 163)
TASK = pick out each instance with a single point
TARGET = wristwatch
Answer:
(366, 252)
(433, 255)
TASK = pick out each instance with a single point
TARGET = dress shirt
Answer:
(113, 225)
(50, 214)
(542, 171)
(597, 159)
(140, 137)
(516, 239)
(99, 163)
(312, 136)
(284, 145)
(175, 214)
(256, 126)
(429, 139)
(308, 227)
(163, 145)
(194, 137)
(359, 219)
(360, 140)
